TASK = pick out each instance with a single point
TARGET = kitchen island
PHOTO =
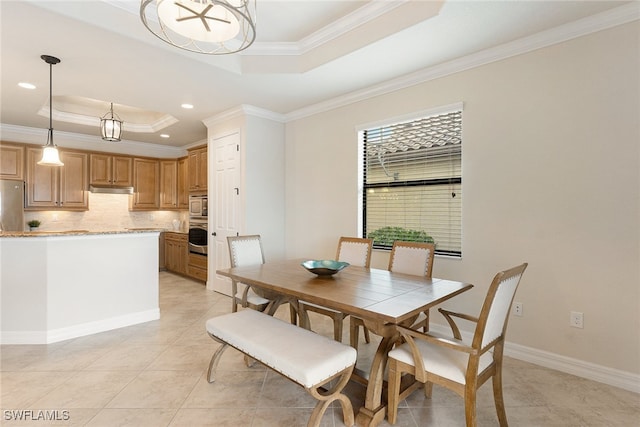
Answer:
(60, 285)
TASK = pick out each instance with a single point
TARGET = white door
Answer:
(224, 206)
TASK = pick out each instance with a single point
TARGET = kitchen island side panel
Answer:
(77, 285)
(118, 276)
(23, 282)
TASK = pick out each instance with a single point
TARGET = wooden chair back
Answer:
(355, 250)
(494, 316)
(414, 258)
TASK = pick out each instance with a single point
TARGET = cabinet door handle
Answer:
(214, 234)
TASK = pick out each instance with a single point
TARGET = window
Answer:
(412, 181)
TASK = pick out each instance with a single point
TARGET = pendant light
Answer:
(111, 126)
(212, 27)
(50, 155)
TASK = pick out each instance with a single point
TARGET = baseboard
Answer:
(591, 371)
(580, 368)
(89, 328)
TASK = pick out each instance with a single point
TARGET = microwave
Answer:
(198, 206)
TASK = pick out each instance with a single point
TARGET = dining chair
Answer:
(458, 364)
(415, 258)
(356, 251)
(243, 251)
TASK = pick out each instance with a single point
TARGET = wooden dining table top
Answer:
(370, 293)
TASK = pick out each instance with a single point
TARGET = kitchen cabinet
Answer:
(178, 259)
(197, 266)
(146, 185)
(168, 184)
(183, 183)
(161, 256)
(57, 187)
(174, 192)
(175, 252)
(11, 162)
(111, 170)
(198, 169)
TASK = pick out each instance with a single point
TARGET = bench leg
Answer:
(215, 359)
(326, 397)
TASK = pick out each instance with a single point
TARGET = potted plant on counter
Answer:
(33, 224)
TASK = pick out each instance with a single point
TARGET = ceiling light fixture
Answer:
(111, 126)
(50, 155)
(213, 27)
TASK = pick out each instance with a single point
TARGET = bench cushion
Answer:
(301, 355)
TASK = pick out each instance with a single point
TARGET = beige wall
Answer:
(551, 160)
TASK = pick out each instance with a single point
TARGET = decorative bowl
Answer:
(324, 267)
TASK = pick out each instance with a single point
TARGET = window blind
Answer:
(413, 182)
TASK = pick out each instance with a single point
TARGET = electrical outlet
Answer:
(517, 309)
(576, 319)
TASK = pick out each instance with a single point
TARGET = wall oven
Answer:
(198, 236)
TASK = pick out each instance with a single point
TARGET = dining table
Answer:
(382, 299)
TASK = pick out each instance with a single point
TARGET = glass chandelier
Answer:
(111, 126)
(214, 27)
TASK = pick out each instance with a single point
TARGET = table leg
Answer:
(373, 411)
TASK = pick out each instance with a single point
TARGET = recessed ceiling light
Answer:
(26, 85)
(164, 135)
(187, 106)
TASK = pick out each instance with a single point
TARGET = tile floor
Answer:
(153, 375)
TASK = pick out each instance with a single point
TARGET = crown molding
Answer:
(602, 21)
(81, 119)
(241, 111)
(28, 135)
(339, 27)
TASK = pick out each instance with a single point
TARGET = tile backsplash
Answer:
(106, 212)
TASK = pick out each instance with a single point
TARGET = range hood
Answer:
(110, 189)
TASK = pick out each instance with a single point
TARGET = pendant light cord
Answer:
(51, 100)
(51, 60)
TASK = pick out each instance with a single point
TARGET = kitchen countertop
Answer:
(79, 232)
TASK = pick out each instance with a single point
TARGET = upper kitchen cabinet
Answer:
(111, 170)
(146, 185)
(53, 187)
(11, 161)
(168, 184)
(198, 169)
(183, 183)
(174, 192)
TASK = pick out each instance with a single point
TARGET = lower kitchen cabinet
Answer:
(197, 266)
(175, 252)
(178, 259)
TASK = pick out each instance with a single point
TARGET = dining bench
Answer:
(306, 358)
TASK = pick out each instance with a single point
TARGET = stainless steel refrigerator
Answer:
(11, 205)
